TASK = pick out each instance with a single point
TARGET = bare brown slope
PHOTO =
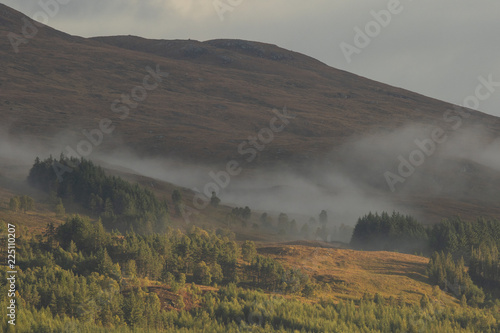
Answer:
(205, 108)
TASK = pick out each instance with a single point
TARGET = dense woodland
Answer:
(402, 233)
(119, 204)
(91, 274)
(79, 278)
(386, 232)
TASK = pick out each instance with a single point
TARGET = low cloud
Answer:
(347, 183)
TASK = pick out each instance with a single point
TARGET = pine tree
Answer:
(248, 250)
(152, 309)
(304, 231)
(424, 301)
(53, 303)
(177, 200)
(180, 303)
(130, 269)
(108, 208)
(59, 209)
(202, 274)
(104, 263)
(14, 204)
(214, 200)
(463, 301)
(323, 217)
(217, 275)
(50, 235)
(182, 280)
(26, 203)
(135, 309)
(176, 196)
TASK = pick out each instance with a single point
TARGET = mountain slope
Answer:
(59, 81)
(218, 94)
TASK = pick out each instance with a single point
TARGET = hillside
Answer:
(73, 81)
(219, 93)
(350, 274)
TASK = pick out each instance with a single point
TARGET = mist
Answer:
(348, 182)
(301, 195)
(17, 154)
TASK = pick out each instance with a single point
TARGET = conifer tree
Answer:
(59, 209)
(214, 200)
(14, 204)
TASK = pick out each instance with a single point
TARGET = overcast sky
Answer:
(437, 48)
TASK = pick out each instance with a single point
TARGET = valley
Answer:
(230, 185)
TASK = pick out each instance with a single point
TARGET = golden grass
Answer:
(349, 273)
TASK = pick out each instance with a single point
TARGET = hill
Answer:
(350, 274)
(220, 93)
(203, 100)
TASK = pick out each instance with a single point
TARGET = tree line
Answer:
(118, 203)
(23, 203)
